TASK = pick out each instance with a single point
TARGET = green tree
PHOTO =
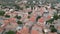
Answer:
(27, 6)
(17, 6)
(21, 8)
(52, 28)
(2, 13)
(50, 21)
(59, 17)
(18, 17)
(38, 18)
(7, 16)
(55, 16)
(28, 16)
(32, 7)
(10, 32)
(30, 12)
(19, 22)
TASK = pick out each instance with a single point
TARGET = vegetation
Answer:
(27, 6)
(52, 28)
(38, 18)
(7, 16)
(18, 17)
(29, 12)
(52, 6)
(2, 13)
(55, 16)
(59, 17)
(50, 21)
(21, 8)
(12, 5)
(10, 32)
(28, 16)
(3, 4)
(31, 4)
(16, 6)
(32, 7)
(19, 22)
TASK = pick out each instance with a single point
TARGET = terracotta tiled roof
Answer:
(32, 19)
(58, 27)
(48, 17)
(25, 15)
(1, 29)
(41, 20)
(34, 32)
(42, 9)
(52, 33)
(6, 21)
(50, 9)
(38, 26)
(24, 31)
(12, 19)
(3, 25)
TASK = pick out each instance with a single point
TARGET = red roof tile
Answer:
(39, 26)
(12, 19)
(34, 32)
(58, 27)
(6, 21)
(41, 20)
(42, 9)
(1, 29)
(24, 31)
(52, 33)
(48, 17)
(32, 19)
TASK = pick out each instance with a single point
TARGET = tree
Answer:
(19, 22)
(28, 16)
(27, 6)
(38, 18)
(2, 13)
(21, 8)
(52, 28)
(18, 17)
(55, 16)
(17, 7)
(59, 17)
(30, 12)
(50, 21)
(32, 7)
(7, 16)
(3, 5)
(10, 32)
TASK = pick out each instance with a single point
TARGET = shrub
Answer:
(2, 13)
(18, 17)
(29, 12)
(38, 18)
(52, 28)
(10, 32)
(19, 22)
(8, 16)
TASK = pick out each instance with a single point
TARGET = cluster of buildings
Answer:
(30, 25)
